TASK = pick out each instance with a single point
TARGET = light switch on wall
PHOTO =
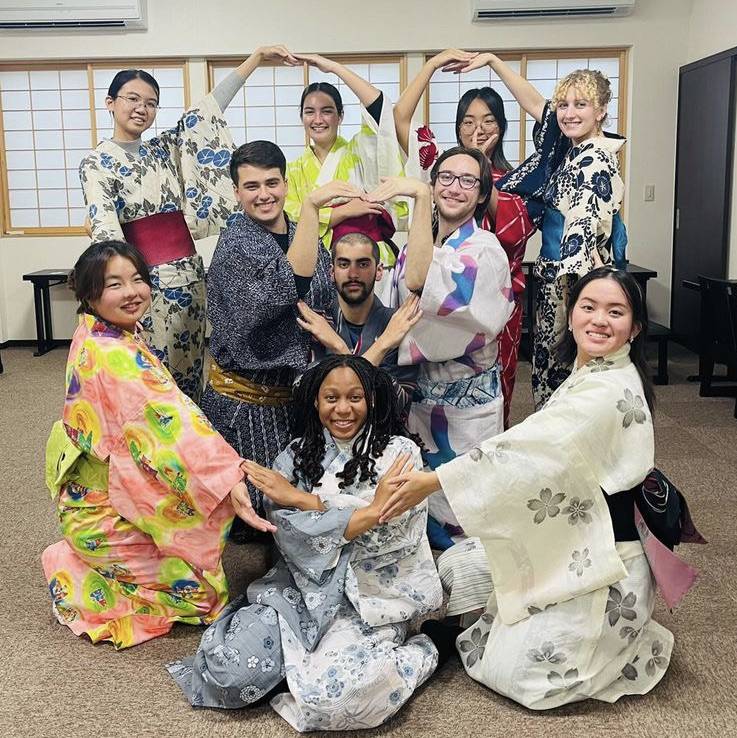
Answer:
(650, 193)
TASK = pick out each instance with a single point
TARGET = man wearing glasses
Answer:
(462, 274)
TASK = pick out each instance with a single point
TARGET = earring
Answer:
(632, 338)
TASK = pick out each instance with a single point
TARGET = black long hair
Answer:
(383, 420)
(566, 350)
(88, 278)
(493, 100)
(484, 176)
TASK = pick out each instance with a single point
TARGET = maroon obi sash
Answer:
(160, 238)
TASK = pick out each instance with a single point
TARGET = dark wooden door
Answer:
(703, 185)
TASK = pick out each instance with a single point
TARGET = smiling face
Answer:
(341, 403)
(320, 118)
(578, 118)
(133, 109)
(125, 297)
(601, 320)
(456, 204)
(478, 117)
(261, 193)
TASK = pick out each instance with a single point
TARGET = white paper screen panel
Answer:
(267, 108)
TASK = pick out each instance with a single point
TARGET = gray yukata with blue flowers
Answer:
(331, 615)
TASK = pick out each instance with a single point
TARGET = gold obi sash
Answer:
(236, 387)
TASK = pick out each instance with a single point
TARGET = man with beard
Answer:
(262, 266)
(363, 324)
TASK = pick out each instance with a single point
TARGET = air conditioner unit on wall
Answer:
(490, 10)
(66, 15)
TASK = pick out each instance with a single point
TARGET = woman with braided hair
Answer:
(333, 613)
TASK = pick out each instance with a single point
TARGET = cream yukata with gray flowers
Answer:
(569, 617)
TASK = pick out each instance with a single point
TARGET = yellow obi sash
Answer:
(237, 387)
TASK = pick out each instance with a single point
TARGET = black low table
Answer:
(43, 281)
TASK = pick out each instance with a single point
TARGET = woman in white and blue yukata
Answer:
(333, 614)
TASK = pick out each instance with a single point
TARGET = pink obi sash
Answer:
(160, 238)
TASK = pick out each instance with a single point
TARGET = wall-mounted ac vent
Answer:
(490, 10)
(72, 15)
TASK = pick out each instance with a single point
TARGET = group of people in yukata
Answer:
(356, 401)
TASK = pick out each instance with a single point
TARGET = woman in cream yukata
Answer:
(371, 154)
(571, 612)
(333, 613)
(143, 482)
(163, 194)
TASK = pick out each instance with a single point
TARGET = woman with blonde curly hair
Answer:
(573, 191)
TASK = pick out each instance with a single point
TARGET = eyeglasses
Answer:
(487, 125)
(466, 181)
(134, 101)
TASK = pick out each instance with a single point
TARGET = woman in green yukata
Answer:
(371, 154)
(163, 194)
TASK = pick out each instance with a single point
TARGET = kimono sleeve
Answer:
(310, 541)
(387, 543)
(466, 302)
(596, 197)
(513, 227)
(100, 196)
(200, 146)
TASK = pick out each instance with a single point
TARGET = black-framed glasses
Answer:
(466, 181)
(134, 101)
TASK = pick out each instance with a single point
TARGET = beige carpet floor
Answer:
(54, 684)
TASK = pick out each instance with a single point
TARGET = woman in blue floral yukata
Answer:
(333, 614)
(163, 194)
(573, 192)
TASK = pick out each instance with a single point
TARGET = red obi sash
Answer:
(160, 238)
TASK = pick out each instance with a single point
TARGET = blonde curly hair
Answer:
(592, 85)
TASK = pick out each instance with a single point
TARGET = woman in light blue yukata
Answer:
(333, 614)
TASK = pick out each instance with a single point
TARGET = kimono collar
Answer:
(610, 143)
(339, 143)
(460, 235)
(616, 360)
(97, 326)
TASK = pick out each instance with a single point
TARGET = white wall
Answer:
(658, 34)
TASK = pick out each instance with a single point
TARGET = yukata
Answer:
(570, 614)
(466, 302)
(371, 154)
(182, 172)
(141, 481)
(332, 615)
(575, 193)
(512, 227)
(257, 347)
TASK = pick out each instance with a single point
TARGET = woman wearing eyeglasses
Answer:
(164, 193)
(480, 124)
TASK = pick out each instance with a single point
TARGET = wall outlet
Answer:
(650, 193)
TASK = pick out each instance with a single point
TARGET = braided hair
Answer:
(383, 420)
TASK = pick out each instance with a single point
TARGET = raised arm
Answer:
(302, 253)
(363, 90)
(408, 100)
(420, 239)
(525, 94)
(226, 90)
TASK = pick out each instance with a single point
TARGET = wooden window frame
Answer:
(377, 58)
(6, 230)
